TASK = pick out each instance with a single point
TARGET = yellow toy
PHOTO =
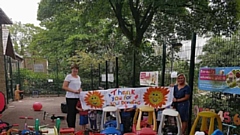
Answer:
(17, 93)
(148, 126)
(204, 125)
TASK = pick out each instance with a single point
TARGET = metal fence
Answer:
(221, 52)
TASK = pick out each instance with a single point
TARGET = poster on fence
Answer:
(220, 79)
(157, 97)
(149, 78)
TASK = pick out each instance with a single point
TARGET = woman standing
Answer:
(72, 86)
(181, 100)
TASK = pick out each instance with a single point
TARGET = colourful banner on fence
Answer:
(220, 79)
(157, 97)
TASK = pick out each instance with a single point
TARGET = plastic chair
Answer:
(172, 113)
(205, 115)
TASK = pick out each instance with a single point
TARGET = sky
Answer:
(24, 11)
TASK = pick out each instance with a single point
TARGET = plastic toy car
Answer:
(114, 126)
(144, 126)
(170, 127)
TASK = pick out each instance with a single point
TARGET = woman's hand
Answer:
(174, 100)
(76, 91)
(80, 90)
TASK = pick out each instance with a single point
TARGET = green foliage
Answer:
(219, 102)
(221, 52)
(39, 81)
(89, 32)
(22, 35)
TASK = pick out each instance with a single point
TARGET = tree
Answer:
(22, 35)
(221, 52)
(141, 19)
(87, 26)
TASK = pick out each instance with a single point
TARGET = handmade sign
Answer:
(157, 97)
(220, 79)
(149, 78)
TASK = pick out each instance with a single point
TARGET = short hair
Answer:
(74, 66)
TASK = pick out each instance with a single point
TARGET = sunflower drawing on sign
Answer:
(156, 96)
(94, 99)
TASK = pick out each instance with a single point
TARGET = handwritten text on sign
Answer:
(124, 97)
(158, 97)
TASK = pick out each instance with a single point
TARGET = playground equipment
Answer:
(26, 129)
(2, 102)
(217, 132)
(111, 127)
(8, 129)
(37, 106)
(53, 117)
(61, 131)
(56, 130)
(205, 115)
(144, 127)
(175, 128)
(5, 128)
(37, 129)
(51, 131)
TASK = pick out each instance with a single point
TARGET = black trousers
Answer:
(126, 121)
(71, 113)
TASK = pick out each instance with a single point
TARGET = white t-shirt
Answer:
(75, 84)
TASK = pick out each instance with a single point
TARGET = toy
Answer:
(5, 128)
(18, 93)
(37, 129)
(144, 126)
(2, 102)
(56, 130)
(8, 129)
(111, 127)
(50, 131)
(205, 116)
(26, 129)
(199, 133)
(217, 132)
(170, 128)
(37, 106)
(52, 117)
